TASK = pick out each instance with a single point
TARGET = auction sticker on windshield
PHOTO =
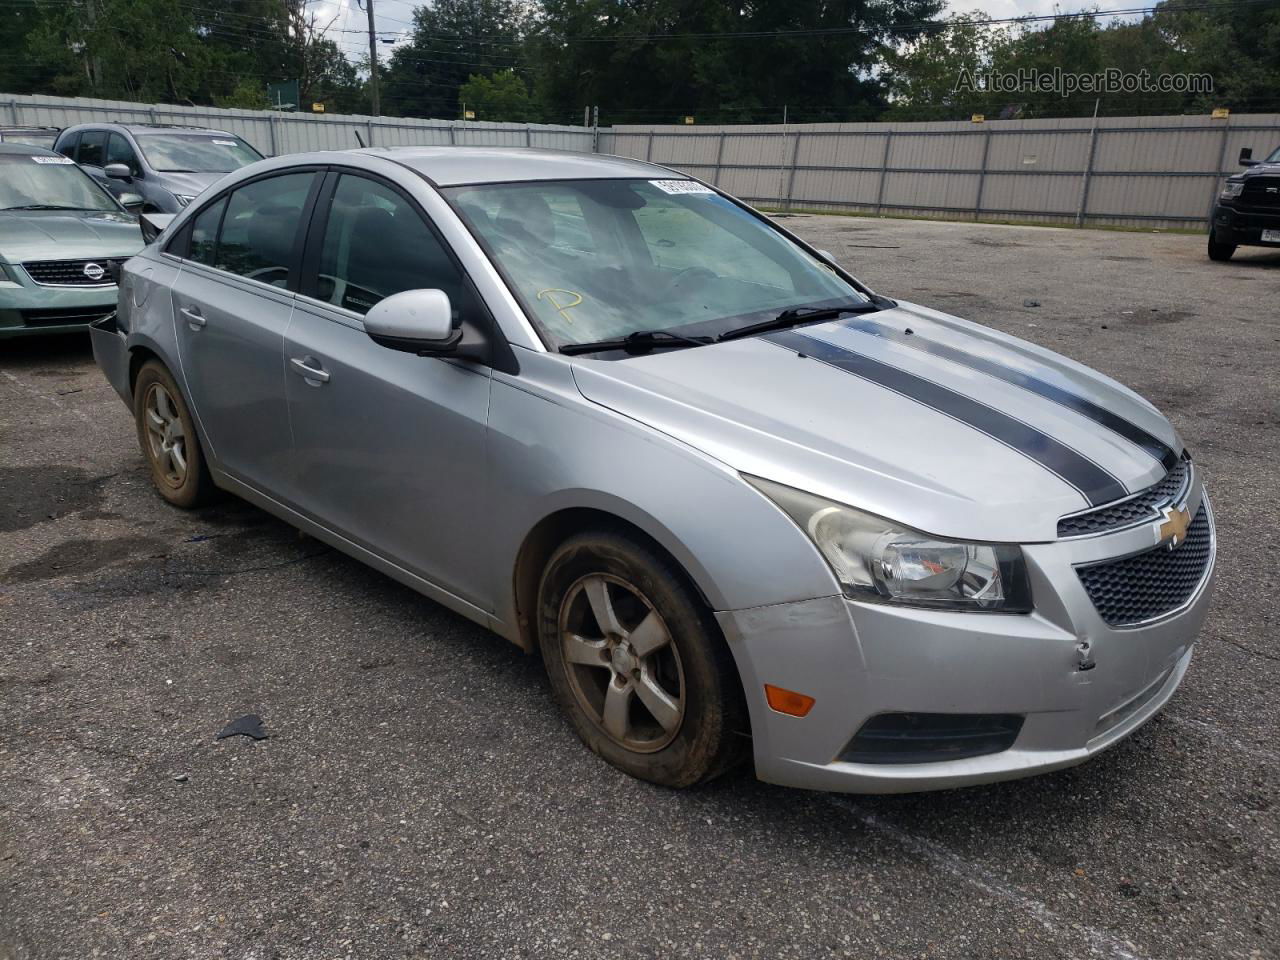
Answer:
(680, 186)
(41, 159)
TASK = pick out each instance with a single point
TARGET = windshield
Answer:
(196, 153)
(599, 259)
(1275, 156)
(46, 180)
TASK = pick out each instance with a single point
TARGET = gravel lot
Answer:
(420, 797)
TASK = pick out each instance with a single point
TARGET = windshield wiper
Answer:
(642, 341)
(47, 206)
(795, 315)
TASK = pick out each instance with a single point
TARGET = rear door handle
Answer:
(193, 317)
(302, 367)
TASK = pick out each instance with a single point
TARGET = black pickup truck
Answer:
(1248, 209)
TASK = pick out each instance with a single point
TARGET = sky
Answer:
(350, 22)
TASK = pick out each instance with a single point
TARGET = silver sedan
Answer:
(738, 501)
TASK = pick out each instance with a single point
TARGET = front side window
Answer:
(195, 153)
(376, 244)
(599, 259)
(49, 182)
(93, 144)
(1275, 156)
(119, 151)
(260, 228)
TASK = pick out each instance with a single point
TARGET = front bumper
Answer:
(1243, 226)
(858, 660)
(28, 310)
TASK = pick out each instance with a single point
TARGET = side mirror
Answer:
(415, 321)
(131, 201)
(1246, 157)
(117, 171)
(154, 224)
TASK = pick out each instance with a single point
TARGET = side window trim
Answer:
(183, 238)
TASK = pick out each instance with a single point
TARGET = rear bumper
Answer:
(859, 660)
(111, 354)
(1243, 227)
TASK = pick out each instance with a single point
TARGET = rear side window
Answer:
(204, 234)
(68, 148)
(260, 229)
(93, 144)
(376, 244)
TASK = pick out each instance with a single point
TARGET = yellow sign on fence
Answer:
(1221, 113)
(317, 108)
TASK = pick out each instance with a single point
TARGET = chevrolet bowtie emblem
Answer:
(1173, 528)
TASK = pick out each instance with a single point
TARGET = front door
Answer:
(231, 305)
(389, 446)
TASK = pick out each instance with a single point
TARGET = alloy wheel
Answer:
(166, 436)
(621, 662)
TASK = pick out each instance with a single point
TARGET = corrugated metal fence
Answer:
(275, 133)
(1117, 171)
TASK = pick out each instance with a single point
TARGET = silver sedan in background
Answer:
(736, 499)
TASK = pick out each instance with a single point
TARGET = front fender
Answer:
(556, 451)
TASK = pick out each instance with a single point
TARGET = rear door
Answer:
(231, 306)
(389, 446)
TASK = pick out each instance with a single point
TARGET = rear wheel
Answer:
(637, 663)
(168, 438)
(1220, 251)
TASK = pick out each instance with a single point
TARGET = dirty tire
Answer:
(167, 436)
(1220, 251)
(693, 663)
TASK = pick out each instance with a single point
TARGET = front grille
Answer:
(1261, 192)
(57, 318)
(70, 273)
(1151, 584)
(1127, 513)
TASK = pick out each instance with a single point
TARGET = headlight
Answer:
(879, 560)
(183, 199)
(1231, 188)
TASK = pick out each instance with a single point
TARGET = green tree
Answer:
(931, 76)
(452, 41)
(501, 97)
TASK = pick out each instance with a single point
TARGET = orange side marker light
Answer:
(788, 701)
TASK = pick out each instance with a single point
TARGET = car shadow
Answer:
(53, 348)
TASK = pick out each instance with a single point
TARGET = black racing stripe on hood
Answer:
(1041, 388)
(1094, 483)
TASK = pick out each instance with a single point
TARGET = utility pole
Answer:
(373, 60)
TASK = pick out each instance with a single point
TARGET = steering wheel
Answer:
(272, 275)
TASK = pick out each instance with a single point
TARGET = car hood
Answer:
(929, 420)
(188, 184)
(67, 235)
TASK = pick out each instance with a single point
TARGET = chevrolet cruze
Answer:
(737, 500)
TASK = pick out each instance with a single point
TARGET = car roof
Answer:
(25, 149)
(150, 128)
(458, 166)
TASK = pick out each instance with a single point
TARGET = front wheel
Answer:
(168, 438)
(637, 663)
(1220, 251)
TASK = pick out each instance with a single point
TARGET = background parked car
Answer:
(60, 232)
(167, 166)
(1248, 209)
(32, 136)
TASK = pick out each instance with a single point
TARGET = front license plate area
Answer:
(1271, 236)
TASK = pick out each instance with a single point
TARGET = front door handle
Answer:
(193, 317)
(302, 366)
